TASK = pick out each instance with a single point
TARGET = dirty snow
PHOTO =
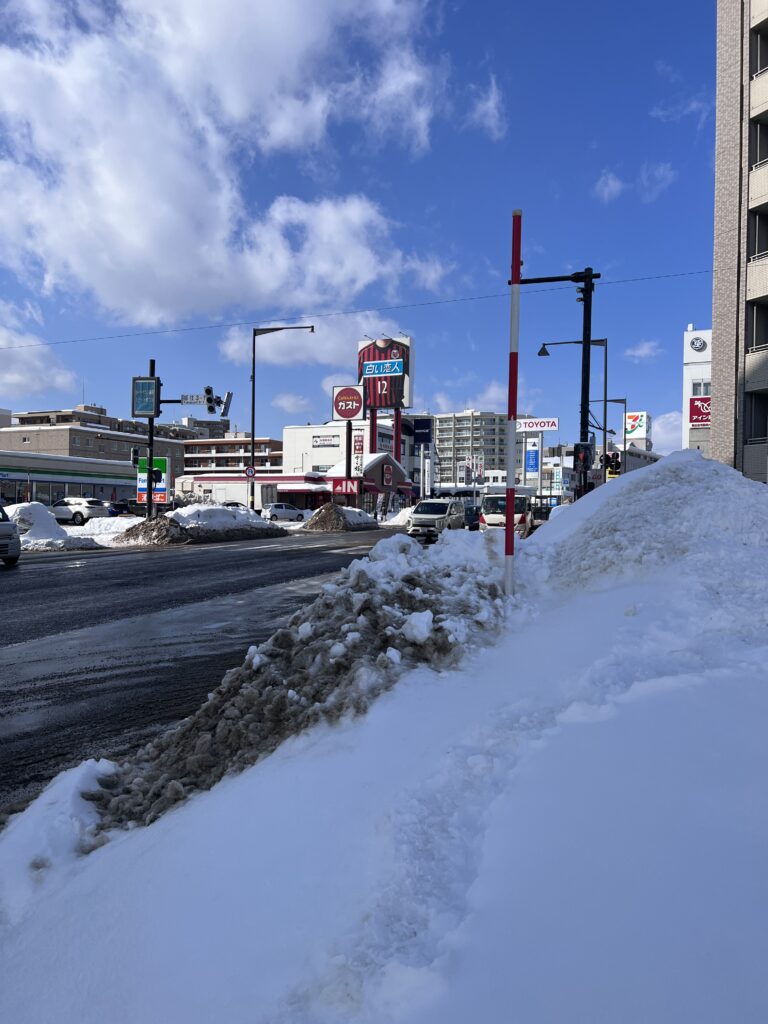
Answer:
(398, 518)
(569, 826)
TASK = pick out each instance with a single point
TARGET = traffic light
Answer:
(135, 457)
(583, 456)
(157, 476)
(210, 399)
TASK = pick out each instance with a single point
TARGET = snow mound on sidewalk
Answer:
(401, 606)
(682, 505)
(331, 518)
(218, 522)
(104, 530)
(40, 531)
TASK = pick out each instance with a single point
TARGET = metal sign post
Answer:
(514, 345)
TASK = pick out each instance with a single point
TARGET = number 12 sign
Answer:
(348, 402)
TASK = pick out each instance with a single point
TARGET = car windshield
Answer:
(520, 505)
(3, 515)
(431, 508)
(496, 506)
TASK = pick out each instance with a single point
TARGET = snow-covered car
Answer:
(282, 510)
(10, 544)
(429, 518)
(78, 510)
(493, 513)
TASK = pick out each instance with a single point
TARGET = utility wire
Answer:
(343, 312)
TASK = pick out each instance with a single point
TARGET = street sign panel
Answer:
(533, 426)
(160, 489)
(348, 402)
(387, 475)
(346, 486)
(193, 399)
(250, 472)
(145, 397)
(422, 430)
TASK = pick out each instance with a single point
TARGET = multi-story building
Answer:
(739, 427)
(697, 378)
(89, 432)
(468, 438)
(231, 454)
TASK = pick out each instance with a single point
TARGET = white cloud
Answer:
(608, 187)
(334, 341)
(492, 398)
(667, 432)
(27, 367)
(698, 107)
(443, 402)
(644, 351)
(290, 403)
(487, 112)
(655, 179)
(337, 379)
(665, 70)
(127, 128)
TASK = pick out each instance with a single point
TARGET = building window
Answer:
(758, 235)
(701, 387)
(759, 54)
(758, 143)
(757, 325)
(25, 440)
(75, 441)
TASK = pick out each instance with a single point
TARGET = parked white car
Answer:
(78, 510)
(429, 518)
(10, 545)
(282, 510)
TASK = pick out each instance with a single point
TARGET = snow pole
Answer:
(511, 446)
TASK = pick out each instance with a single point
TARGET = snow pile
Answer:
(40, 531)
(399, 518)
(105, 530)
(333, 518)
(570, 824)
(158, 531)
(400, 606)
(205, 523)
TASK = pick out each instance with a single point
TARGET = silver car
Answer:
(10, 545)
(429, 518)
(282, 510)
(78, 510)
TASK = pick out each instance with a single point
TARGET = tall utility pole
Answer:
(151, 455)
(585, 293)
(514, 348)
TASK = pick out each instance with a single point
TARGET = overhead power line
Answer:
(343, 312)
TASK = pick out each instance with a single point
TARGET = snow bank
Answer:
(105, 530)
(331, 517)
(402, 605)
(399, 518)
(205, 523)
(40, 531)
(569, 826)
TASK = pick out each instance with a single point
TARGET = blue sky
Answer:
(171, 163)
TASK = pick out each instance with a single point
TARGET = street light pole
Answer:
(257, 331)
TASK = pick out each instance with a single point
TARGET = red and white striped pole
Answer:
(514, 344)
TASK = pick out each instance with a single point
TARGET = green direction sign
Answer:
(160, 489)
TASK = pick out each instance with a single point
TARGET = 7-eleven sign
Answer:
(346, 486)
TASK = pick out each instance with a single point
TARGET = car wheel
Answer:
(77, 519)
(10, 562)
(299, 519)
(273, 518)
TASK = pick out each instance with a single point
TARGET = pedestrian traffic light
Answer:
(583, 456)
(135, 456)
(210, 399)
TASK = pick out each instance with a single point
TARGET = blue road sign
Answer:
(532, 460)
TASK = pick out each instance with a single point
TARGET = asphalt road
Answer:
(100, 650)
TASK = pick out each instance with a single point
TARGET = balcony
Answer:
(758, 187)
(756, 369)
(757, 278)
(758, 97)
(758, 13)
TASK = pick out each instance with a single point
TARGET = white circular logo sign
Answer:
(698, 344)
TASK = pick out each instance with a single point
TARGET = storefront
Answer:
(48, 478)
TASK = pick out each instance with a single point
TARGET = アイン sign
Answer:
(699, 411)
(346, 486)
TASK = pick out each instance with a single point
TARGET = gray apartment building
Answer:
(739, 413)
(469, 435)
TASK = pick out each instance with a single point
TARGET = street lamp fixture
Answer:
(601, 343)
(257, 332)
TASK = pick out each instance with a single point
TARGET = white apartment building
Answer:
(697, 388)
(470, 436)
